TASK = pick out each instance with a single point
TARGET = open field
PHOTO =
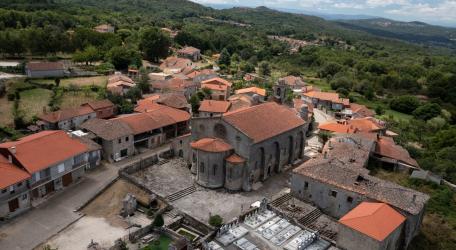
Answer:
(6, 107)
(80, 81)
(75, 99)
(32, 102)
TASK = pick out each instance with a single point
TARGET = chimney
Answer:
(13, 150)
(10, 159)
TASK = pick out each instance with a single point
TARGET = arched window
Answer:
(220, 130)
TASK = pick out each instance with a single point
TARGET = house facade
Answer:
(220, 88)
(43, 163)
(67, 119)
(191, 53)
(104, 109)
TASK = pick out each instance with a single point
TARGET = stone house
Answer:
(243, 147)
(175, 85)
(119, 84)
(210, 108)
(286, 85)
(254, 92)
(67, 119)
(103, 108)
(337, 188)
(198, 76)
(326, 100)
(45, 69)
(220, 88)
(191, 53)
(115, 138)
(370, 225)
(173, 100)
(175, 65)
(43, 163)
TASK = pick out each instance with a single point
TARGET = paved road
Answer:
(40, 223)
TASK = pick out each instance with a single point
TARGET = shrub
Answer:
(216, 220)
(158, 221)
(427, 111)
(405, 104)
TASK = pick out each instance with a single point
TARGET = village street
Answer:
(37, 225)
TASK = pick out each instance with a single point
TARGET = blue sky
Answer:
(441, 12)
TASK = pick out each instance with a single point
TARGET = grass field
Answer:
(80, 81)
(6, 108)
(32, 102)
(165, 241)
(75, 99)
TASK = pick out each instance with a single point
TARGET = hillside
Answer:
(414, 32)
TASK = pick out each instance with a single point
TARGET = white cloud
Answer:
(445, 10)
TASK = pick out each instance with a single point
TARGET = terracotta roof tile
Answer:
(214, 145)
(327, 96)
(235, 159)
(43, 66)
(188, 50)
(173, 100)
(376, 220)
(100, 104)
(293, 80)
(240, 102)
(386, 147)
(263, 121)
(216, 87)
(254, 90)
(66, 114)
(217, 81)
(10, 174)
(155, 116)
(42, 150)
(337, 127)
(214, 106)
(361, 110)
(107, 129)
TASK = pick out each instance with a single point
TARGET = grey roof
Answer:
(107, 129)
(330, 173)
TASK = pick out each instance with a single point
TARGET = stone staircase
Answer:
(281, 200)
(180, 194)
(309, 218)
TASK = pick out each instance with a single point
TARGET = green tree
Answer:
(154, 44)
(216, 220)
(195, 103)
(158, 221)
(427, 111)
(122, 57)
(225, 58)
(264, 69)
(324, 136)
(405, 104)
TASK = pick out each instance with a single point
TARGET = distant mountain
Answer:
(414, 32)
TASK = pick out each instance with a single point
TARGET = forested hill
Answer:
(414, 32)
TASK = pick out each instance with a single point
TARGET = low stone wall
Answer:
(140, 164)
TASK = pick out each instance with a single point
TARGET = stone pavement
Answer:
(38, 224)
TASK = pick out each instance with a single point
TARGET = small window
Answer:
(214, 169)
(120, 140)
(349, 199)
(306, 185)
(19, 184)
(126, 138)
(194, 157)
(3, 191)
(333, 193)
(24, 196)
(180, 142)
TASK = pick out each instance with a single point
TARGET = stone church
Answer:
(246, 146)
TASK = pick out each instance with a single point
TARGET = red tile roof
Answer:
(214, 145)
(327, 96)
(337, 128)
(176, 63)
(200, 72)
(361, 110)
(155, 116)
(173, 100)
(216, 87)
(214, 106)
(66, 114)
(101, 104)
(293, 80)
(376, 220)
(175, 84)
(263, 121)
(235, 159)
(217, 81)
(255, 90)
(44, 66)
(42, 150)
(10, 174)
(365, 125)
(386, 147)
(188, 50)
(240, 102)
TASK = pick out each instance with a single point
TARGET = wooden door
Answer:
(67, 179)
(13, 205)
(49, 187)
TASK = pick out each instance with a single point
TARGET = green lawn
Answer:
(164, 240)
(32, 102)
(79, 81)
